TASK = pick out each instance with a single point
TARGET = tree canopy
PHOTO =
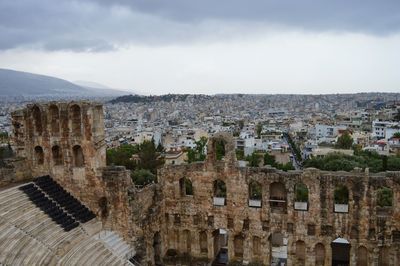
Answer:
(345, 141)
(342, 162)
(198, 153)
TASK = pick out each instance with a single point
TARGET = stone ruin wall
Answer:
(66, 140)
(309, 233)
(159, 218)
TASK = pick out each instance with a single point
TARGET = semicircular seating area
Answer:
(38, 229)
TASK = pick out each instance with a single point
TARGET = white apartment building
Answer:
(384, 129)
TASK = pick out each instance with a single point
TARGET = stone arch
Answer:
(340, 251)
(39, 155)
(238, 246)
(57, 155)
(384, 256)
(76, 119)
(319, 251)
(79, 159)
(185, 187)
(341, 199)
(219, 189)
(362, 256)
(300, 252)
(341, 194)
(203, 242)
(255, 194)
(219, 147)
(186, 241)
(37, 120)
(278, 248)
(225, 151)
(384, 197)
(277, 196)
(54, 119)
(255, 190)
(301, 192)
(256, 246)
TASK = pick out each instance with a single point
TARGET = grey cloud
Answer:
(99, 25)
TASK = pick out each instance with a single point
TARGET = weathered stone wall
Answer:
(365, 225)
(14, 171)
(168, 225)
(65, 140)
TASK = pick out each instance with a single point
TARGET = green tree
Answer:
(269, 159)
(259, 129)
(220, 149)
(143, 177)
(384, 197)
(198, 153)
(396, 135)
(149, 157)
(239, 154)
(301, 193)
(253, 159)
(122, 156)
(345, 141)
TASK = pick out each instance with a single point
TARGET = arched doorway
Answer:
(278, 249)
(220, 246)
(340, 252)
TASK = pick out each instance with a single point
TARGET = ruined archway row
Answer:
(63, 119)
(68, 134)
(179, 244)
(311, 205)
(57, 157)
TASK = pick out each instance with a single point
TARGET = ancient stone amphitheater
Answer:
(61, 205)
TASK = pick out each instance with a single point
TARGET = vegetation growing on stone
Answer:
(143, 170)
(198, 153)
(384, 197)
(301, 193)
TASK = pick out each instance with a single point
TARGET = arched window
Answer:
(341, 199)
(79, 160)
(277, 198)
(384, 197)
(301, 197)
(238, 246)
(54, 119)
(219, 150)
(256, 246)
(187, 241)
(39, 155)
(186, 188)
(203, 242)
(57, 155)
(362, 256)
(37, 120)
(255, 194)
(300, 252)
(219, 192)
(76, 119)
(319, 254)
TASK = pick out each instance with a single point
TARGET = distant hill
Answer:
(94, 86)
(23, 84)
(162, 98)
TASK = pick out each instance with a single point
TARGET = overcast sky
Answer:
(207, 46)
